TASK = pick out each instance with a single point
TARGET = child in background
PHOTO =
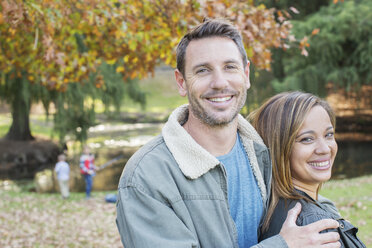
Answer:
(63, 172)
(87, 168)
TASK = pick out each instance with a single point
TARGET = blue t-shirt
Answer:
(244, 196)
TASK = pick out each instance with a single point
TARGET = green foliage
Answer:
(260, 90)
(340, 53)
(114, 89)
(75, 107)
(298, 9)
(73, 115)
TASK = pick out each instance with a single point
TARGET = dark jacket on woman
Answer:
(312, 211)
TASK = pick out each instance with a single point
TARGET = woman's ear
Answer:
(181, 83)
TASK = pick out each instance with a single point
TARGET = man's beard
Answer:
(210, 118)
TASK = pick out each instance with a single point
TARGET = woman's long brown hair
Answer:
(278, 121)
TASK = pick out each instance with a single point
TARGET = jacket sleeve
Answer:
(276, 241)
(144, 221)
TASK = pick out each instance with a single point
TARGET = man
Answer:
(205, 181)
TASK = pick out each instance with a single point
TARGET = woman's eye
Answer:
(330, 135)
(306, 140)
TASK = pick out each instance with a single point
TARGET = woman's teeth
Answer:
(320, 164)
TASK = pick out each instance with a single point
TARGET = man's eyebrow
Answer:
(206, 64)
(200, 65)
(234, 61)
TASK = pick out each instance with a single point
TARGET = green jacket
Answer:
(173, 193)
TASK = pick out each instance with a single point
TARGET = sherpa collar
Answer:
(193, 160)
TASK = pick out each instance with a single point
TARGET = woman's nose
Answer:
(323, 146)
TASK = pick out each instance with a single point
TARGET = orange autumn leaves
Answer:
(55, 43)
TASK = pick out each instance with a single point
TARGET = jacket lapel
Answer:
(193, 160)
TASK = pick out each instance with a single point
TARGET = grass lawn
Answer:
(45, 220)
(5, 121)
(39, 125)
(161, 93)
(353, 198)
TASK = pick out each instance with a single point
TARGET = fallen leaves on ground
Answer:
(45, 220)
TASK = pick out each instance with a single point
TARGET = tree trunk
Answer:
(20, 107)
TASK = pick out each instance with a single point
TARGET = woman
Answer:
(299, 130)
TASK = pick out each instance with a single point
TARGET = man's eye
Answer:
(231, 67)
(201, 70)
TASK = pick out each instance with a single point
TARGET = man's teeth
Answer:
(321, 164)
(220, 99)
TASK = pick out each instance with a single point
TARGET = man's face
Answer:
(215, 81)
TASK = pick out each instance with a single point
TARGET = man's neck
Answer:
(216, 140)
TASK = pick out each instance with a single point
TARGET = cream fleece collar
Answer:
(193, 160)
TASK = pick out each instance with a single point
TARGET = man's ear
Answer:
(246, 73)
(181, 83)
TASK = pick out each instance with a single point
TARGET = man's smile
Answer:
(220, 99)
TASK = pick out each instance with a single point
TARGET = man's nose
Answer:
(219, 80)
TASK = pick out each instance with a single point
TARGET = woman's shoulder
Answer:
(278, 217)
(313, 211)
(329, 205)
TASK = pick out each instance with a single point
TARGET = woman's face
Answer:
(314, 150)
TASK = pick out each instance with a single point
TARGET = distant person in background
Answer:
(62, 170)
(299, 129)
(88, 169)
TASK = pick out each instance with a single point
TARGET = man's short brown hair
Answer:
(210, 28)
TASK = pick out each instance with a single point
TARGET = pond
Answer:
(113, 140)
(354, 158)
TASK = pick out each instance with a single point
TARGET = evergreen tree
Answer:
(339, 50)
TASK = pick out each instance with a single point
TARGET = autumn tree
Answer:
(60, 51)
